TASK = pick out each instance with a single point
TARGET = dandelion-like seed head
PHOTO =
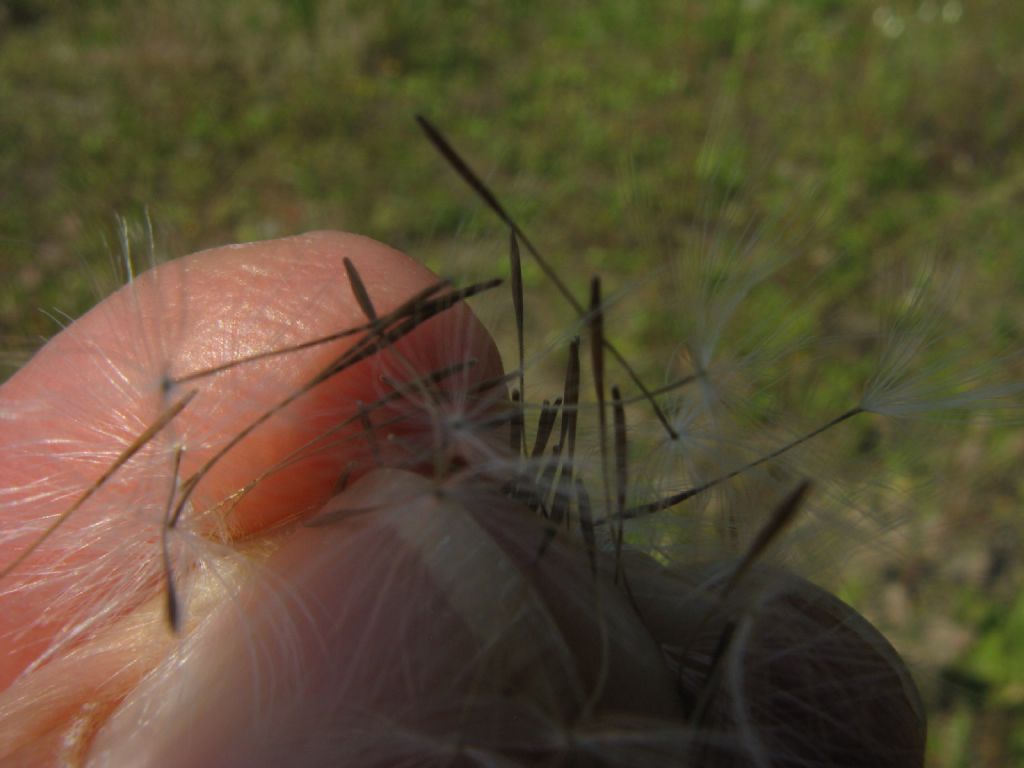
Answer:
(341, 508)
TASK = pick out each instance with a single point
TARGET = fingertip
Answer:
(100, 383)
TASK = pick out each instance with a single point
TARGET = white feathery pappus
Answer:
(426, 565)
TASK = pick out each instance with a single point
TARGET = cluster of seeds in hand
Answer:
(768, 668)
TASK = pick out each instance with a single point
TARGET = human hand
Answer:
(300, 645)
(352, 580)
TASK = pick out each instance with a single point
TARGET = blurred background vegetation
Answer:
(874, 132)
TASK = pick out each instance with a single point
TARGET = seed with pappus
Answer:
(285, 503)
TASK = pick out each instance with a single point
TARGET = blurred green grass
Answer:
(879, 131)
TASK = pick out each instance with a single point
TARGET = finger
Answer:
(95, 387)
(424, 633)
(801, 669)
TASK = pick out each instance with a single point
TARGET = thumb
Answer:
(83, 401)
(417, 630)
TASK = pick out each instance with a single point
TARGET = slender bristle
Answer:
(473, 180)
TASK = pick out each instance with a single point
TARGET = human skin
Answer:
(382, 625)
(378, 598)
